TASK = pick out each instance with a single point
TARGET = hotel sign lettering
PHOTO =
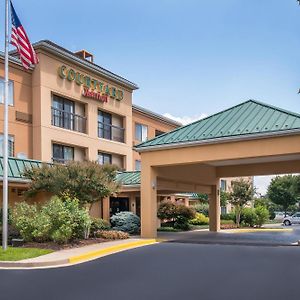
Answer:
(92, 88)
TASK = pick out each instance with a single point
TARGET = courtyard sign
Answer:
(92, 88)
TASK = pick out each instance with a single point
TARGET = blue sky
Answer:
(189, 57)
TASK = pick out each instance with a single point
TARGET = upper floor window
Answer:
(11, 145)
(158, 132)
(104, 158)
(62, 153)
(104, 125)
(10, 92)
(63, 115)
(223, 185)
(107, 130)
(141, 132)
(138, 165)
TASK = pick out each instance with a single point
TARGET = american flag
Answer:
(20, 39)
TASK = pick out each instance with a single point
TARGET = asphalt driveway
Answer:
(278, 236)
(166, 271)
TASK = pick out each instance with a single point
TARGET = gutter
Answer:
(216, 140)
(14, 60)
(16, 180)
(94, 68)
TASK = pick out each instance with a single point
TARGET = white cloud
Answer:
(185, 119)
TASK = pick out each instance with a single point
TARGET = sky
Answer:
(189, 58)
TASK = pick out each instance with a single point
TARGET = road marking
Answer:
(110, 250)
(258, 230)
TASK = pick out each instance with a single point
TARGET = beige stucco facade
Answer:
(199, 168)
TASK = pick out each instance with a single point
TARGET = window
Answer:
(11, 145)
(62, 154)
(10, 91)
(138, 165)
(141, 132)
(104, 125)
(158, 132)
(63, 112)
(104, 158)
(223, 185)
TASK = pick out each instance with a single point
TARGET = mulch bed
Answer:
(74, 244)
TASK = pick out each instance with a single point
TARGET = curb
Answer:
(79, 258)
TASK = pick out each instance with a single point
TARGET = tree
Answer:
(87, 181)
(284, 191)
(224, 197)
(242, 192)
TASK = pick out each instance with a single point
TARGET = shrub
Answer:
(112, 234)
(167, 229)
(126, 221)
(200, 219)
(202, 208)
(58, 221)
(183, 215)
(24, 219)
(262, 215)
(98, 224)
(177, 215)
(229, 216)
(249, 217)
(167, 210)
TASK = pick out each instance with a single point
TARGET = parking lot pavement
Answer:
(284, 236)
(166, 271)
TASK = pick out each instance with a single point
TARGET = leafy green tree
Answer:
(224, 197)
(242, 192)
(87, 181)
(284, 191)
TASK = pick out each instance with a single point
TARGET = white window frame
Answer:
(10, 92)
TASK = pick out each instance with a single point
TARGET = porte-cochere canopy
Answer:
(249, 139)
(249, 119)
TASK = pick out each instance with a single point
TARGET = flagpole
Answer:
(5, 144)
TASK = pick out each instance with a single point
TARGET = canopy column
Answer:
(148, 202)
(215, 208)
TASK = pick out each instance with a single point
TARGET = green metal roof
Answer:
(248, 119)
(17, 166)
(129, 178)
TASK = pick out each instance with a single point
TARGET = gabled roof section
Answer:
(129, 178)
(67, 54)
(249, 119)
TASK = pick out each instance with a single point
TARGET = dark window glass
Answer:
(104, 125)
(158, 132)
(62, 154)
(63, 112)
(104, 158)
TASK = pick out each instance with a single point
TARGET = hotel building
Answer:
(69, 108)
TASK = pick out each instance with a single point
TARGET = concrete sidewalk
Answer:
(76, 255)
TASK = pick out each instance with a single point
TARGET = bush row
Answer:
(62, 221)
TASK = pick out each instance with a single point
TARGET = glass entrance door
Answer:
(118, 204)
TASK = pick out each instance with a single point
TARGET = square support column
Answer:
(106, 208)
(215, 208)
(148, 202)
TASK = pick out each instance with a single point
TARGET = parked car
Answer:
(294, 219)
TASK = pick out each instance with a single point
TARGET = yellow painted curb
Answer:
(105, 251)
(258, 230)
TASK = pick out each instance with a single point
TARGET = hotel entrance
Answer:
(118, 204)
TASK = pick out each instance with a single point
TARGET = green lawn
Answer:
(15, 254)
